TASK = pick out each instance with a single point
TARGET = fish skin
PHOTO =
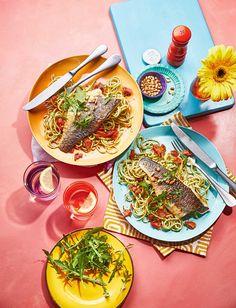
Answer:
(179, 206)
(72, 134)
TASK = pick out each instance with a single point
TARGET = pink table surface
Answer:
(33, 35)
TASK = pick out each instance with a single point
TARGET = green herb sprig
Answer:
(83, 123)
(89, 259)
(76, 100)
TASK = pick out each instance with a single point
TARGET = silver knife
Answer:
(199, 153)
(58, 84)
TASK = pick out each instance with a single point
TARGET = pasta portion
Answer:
(146, 205)
(107, 137)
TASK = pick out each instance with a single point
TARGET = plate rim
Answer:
(182, 88)
(84, 229)
(186, 238)
(80, 162)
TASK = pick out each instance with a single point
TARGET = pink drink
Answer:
(80, 199)
(32, 183)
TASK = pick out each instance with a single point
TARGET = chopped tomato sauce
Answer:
(159, 149)
(127, 213)
(127, 91)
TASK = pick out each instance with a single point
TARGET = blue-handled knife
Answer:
(199, 153)
(58, 84)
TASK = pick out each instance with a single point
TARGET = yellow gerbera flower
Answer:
(218, 73)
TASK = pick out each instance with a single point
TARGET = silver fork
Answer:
(226, 197)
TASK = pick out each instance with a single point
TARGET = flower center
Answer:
(220, 74)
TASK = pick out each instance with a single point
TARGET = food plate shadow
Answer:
(59, 223)
(21, 209)
(23, 132)
(46, 294)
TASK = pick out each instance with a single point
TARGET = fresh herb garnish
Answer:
(83, 123)
(75, 101)
(145, 185)
(161, 197)
(165, 177)
(80, 95)
(176, 192)
(107, 99)
(90, 259)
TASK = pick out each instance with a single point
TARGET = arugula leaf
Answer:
(89, 258)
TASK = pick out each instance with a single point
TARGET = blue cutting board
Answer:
(144, 24)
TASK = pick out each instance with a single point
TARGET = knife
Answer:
(58, 84)
(199, 153)
(109, 63)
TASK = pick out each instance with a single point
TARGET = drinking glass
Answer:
(31, 179)
(80, 199)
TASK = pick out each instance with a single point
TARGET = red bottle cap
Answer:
(181, 34)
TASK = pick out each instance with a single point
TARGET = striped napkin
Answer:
(115, 221)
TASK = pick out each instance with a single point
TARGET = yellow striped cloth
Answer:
(115, 221)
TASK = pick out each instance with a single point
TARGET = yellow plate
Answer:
(88, 295)
(36, 115)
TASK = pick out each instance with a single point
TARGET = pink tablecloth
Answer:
(33, 35)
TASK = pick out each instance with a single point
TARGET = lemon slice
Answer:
(45, 180)
(88, 204)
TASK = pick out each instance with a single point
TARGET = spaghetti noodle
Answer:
(146, 205)
(108, 136)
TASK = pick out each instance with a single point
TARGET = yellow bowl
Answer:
(36, 115)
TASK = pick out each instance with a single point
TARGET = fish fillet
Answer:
(180, 204)
(99, 110)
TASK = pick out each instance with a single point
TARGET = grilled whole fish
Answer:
(97, 112)
(181, 199)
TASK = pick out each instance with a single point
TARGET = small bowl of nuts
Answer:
(152, 85)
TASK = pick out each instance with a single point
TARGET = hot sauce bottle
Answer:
(178, 47)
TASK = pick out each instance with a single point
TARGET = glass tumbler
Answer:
(37, 185)
(80, 199)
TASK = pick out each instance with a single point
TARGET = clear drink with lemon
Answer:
(42, 180)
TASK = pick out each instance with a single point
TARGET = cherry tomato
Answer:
(136, 189)
(100, 86)
(159, 149)
(151, 217)
(156, 224)
(104, 134)
(132, 155)
(174, 153)
(115, 134)
(178, 160)
(187, 152)
(87, 143)
(101, 129)
(161, 213)
(127, 91)
(60, 122)
(78, 156)
(127, 213)
(190, 224)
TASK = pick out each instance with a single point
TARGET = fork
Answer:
(226, 197)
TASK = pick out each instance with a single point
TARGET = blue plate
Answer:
(165, 135)
(167, 102)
